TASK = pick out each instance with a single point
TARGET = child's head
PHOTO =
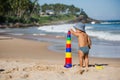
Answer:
(80, 26)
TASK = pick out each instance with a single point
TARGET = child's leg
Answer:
(80, 55)
(86, 62)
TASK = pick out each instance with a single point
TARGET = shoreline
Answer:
(22, 59)
(44, 45)
(57, 47)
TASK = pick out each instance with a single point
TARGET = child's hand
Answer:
(74, 32)
(73, 29)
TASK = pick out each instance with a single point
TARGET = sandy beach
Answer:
(22, 59)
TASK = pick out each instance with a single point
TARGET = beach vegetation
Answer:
(31, 12)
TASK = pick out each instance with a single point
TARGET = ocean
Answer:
(105, 37)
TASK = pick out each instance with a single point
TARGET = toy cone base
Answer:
(68, 65)
(68, 60)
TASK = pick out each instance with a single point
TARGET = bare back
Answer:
(82, 39)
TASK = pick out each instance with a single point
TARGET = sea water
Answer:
(105, 37)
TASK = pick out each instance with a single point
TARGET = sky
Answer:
(96, 9)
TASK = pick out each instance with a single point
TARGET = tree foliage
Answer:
(27, 11)
(18, 8)
(60, 8)
(83, 13)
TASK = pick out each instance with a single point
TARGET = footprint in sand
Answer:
(25, 76)
(5, 77)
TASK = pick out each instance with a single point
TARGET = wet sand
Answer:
(22, 59)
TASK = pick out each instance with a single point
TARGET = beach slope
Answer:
(32, 60)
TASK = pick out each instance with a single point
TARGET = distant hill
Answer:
(85, 18)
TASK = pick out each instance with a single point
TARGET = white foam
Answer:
(59, 28)
(110, 22)
(39, 34)
(88, 27)
(56, 28)
(35, 34)
(59, 36)
(42, 34)
(104, 35)
(65, 27)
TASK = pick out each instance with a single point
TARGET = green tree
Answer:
(4, 7)
(45, 7)
(73, 9)
(83, 13)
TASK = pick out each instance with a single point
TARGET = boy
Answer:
(84, 44)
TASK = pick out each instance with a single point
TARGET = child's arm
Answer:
(89, 42)
(74, 33)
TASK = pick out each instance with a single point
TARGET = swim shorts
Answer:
(85, 49)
